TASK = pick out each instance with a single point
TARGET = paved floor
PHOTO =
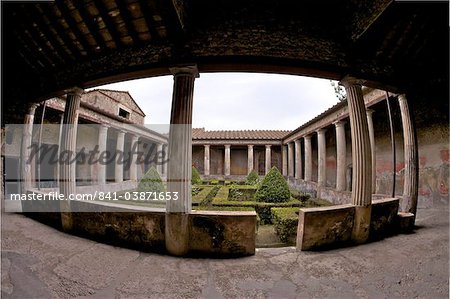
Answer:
(40, 262)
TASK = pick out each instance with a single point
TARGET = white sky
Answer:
(237, 101)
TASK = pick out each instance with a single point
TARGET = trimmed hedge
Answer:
(151, 182)
(252, 178)
(273, 188)
(242, 192)
(285, 222)
(195, 176)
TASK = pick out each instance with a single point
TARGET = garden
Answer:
(270, 197)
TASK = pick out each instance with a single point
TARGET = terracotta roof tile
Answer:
(201, 133)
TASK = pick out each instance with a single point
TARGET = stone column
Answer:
(101, 164)
(284, 159)
(227, 160)
(160, 160)
(206, 162)
(291, 159)
(67, 169)
(308, 158)
(322, 158)
(372, 148)
(249, 158)
(341, 156)
(298, 159)
(410, 188)
(133, 157)
(361, 160)
(268, 163)
(27, 134)
(180, 161)
(120, 152)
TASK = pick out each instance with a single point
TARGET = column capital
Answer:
(268, 146)
(297, 141)
(77, 91)
(370, 112)
(402, 97)
(206, 145)
(250, 145)
(185, 70)
(103, 126)
(227, 145)
(339, 123)
(349, 81)
(321, 131)
(307, 137)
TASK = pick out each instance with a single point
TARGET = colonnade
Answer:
(227, 159)
(180, 157)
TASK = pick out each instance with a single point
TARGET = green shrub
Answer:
(285, 222)
(214, 182)
(299, 195)
(252, 178)
(208, 199)
(273, 188)
(195, 191)
(195, 176)
(151, 182)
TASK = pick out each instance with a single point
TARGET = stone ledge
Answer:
(324, 227)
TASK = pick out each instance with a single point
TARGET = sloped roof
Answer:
(111, 94)
(201, 133)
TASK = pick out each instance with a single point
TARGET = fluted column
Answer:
(67, 183)
(27, 134)
(361, 160)
(284, 159)
(372, 147)
(341, 156)
(101, 166)
(249, 158)
(268, 163)
(133, 157)
(322, 158)
(206, 160)
(161, 158)
(120, 158)
(180, 160)
(227, 160)
(410, 188)
(308, 158)
(291, 159)
(298, 159)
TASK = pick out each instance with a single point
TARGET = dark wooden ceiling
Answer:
(49, 46)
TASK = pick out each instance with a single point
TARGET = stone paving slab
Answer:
(41, 262)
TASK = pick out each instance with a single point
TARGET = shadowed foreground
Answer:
(41, 262)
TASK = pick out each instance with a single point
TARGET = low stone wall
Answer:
(328, 193)
(222, 233)
(328, 227)
(383, 218)
(324, 226)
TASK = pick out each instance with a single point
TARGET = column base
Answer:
(177, 233)
(361, 224)
(66, 221)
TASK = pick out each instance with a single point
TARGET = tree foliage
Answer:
(151, 182)
(273, 188)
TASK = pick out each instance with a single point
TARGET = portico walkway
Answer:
(41, 262)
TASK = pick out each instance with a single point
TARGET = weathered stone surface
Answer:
(383, 218)
(222, 233)
(325, 227)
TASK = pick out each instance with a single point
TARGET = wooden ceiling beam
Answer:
(128, 21)
(66, 54)
(110, 25)
(91, 25)
(65, 13)
(60, 30)
(145, 8)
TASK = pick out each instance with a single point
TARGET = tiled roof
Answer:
(201, 133)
